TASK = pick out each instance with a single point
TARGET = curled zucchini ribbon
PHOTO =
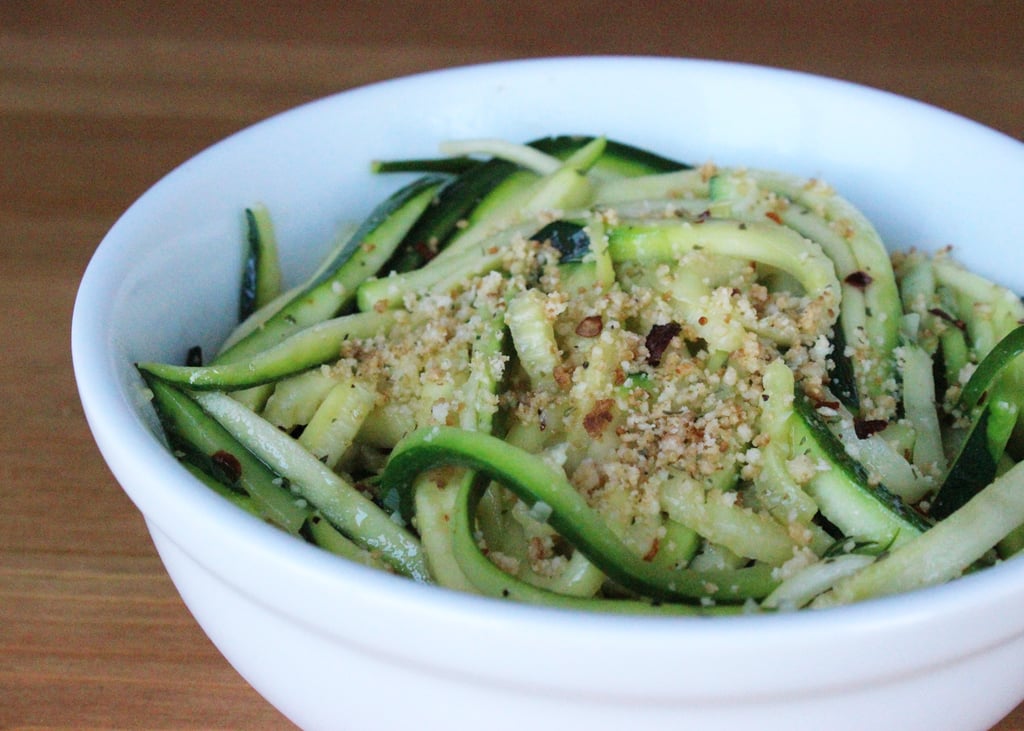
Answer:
(333, 287)
(244, 457)
(261, 270)
(310, 347)
(489, 579)
(536, 482)
(232, 470)
(993, 408)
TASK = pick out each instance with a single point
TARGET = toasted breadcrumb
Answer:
(625, 418)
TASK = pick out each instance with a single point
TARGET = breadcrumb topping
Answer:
(628, 415)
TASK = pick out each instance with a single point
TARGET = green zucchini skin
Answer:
(454, 203)
(871, 299)
(842, 375)
(972, 469)
(308, 348)
(474, 183)
(261, 270)
(225, 465)
(569, 238)
(206, 445)
(354, 514)
(492, 581)
(668, 240)
(976, 463)
(534, 481)
(335, 287)
(843, 493)
(619, 159)
(999, 359)
(441, 165)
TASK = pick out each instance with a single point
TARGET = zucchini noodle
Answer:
(580, 374)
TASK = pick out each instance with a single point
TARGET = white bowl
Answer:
(334, 645)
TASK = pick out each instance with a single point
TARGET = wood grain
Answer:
(100, 99)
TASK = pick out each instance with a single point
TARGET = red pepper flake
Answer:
(775, 217)
(590, 327)
(536, 549)
(658, 340)
(229, 463)
(653, 550)
(365, 489)
(859, 279)
(823, 403)
(599, 417)
(943, 315)
(864, 428)
(425, 250)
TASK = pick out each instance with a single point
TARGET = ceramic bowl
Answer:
(334, 645)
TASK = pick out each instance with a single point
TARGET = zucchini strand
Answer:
(534, 481)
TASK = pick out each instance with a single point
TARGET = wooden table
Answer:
(97, 100)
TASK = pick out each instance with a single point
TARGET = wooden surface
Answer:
(97, 100)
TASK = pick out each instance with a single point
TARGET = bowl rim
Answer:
(129, 449)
